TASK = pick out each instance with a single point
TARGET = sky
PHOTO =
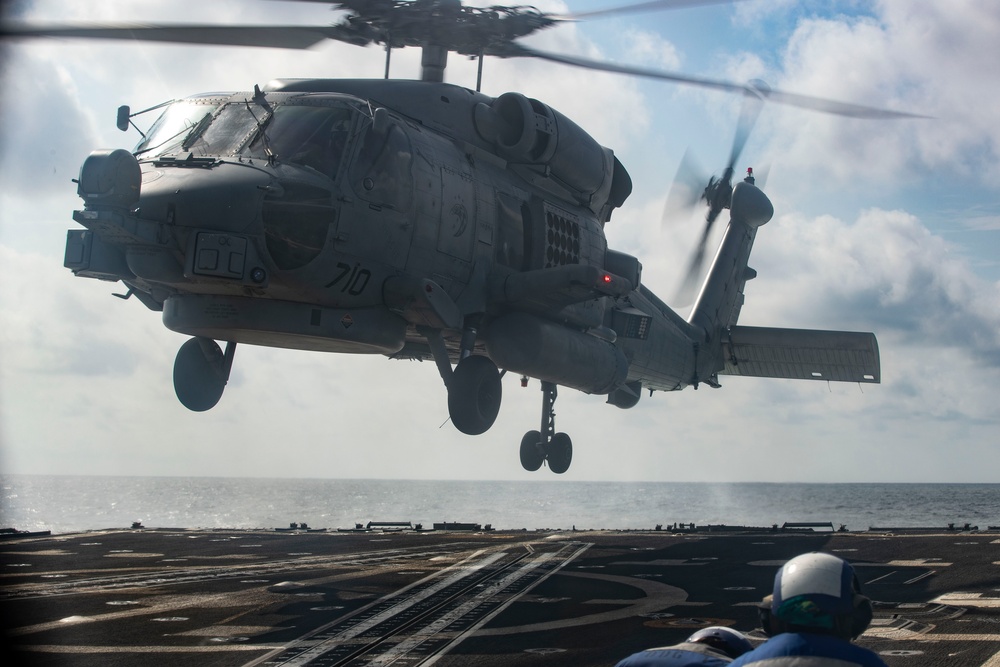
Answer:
(884, 226)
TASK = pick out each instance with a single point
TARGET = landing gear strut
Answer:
(201, 372)
(547, 445)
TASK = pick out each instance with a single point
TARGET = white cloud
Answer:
(885, 268)
(648, 47)
(913, 57)
(938, 323)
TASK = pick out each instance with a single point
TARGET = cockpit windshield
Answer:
(232, 125)
(310, 135)
(174, 125)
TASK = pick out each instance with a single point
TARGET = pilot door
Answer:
(382, 178)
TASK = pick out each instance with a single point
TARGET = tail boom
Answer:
(729, 349)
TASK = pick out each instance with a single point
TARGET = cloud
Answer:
(648, 47)
(909, 57)
(885, 268)
(938, 323)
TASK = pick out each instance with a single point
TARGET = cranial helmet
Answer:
(728, 641)
(817, 592)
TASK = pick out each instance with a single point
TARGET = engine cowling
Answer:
(526, 131)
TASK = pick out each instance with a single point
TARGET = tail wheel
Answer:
(560, 453)
(532, 451)
(474, 395)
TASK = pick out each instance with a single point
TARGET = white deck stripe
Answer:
(458, 612)
(496, 612)
(462, 570)
(994, 661)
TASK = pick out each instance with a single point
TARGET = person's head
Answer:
(817, 593)
(725, 640)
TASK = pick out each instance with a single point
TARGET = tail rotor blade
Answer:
(685, 294)
(760, 175)
(685, 191)
(719, 192)
(753, 102)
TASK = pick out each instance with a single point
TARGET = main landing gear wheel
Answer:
(201, 372)
(474, 394)
(547, 445)
(532, 451)
(560, 453)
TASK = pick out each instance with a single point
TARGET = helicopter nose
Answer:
(220, 196)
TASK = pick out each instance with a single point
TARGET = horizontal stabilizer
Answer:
(800, 354)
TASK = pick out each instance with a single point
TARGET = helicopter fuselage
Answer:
(421, 220)
(354, 216)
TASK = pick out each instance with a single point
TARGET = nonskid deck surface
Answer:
(214, 597)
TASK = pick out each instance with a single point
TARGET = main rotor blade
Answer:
(792, 99)
(649, 6)
(284, 37)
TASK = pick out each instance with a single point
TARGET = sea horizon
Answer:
(72, 503)
(533, 480)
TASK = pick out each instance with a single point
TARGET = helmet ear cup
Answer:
(862, 616)
(767, 619)
(856, 623)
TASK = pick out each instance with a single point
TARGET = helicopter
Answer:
(424, 220)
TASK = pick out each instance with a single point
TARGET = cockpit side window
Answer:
(383, 173)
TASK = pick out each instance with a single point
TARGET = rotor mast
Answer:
(433, 61)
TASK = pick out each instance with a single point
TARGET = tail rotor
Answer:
(717, 195)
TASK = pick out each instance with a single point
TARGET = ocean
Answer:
(77, 503)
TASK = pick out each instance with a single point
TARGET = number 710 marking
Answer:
(354, 279)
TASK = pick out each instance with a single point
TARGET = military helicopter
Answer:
(424, 220)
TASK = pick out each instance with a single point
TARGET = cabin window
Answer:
(383, 173)
(510, 232)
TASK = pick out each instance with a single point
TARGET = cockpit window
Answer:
(227, 131)
(174, 126)
(309, 136)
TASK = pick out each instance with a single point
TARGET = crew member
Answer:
(709, 647)
(814, 612)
